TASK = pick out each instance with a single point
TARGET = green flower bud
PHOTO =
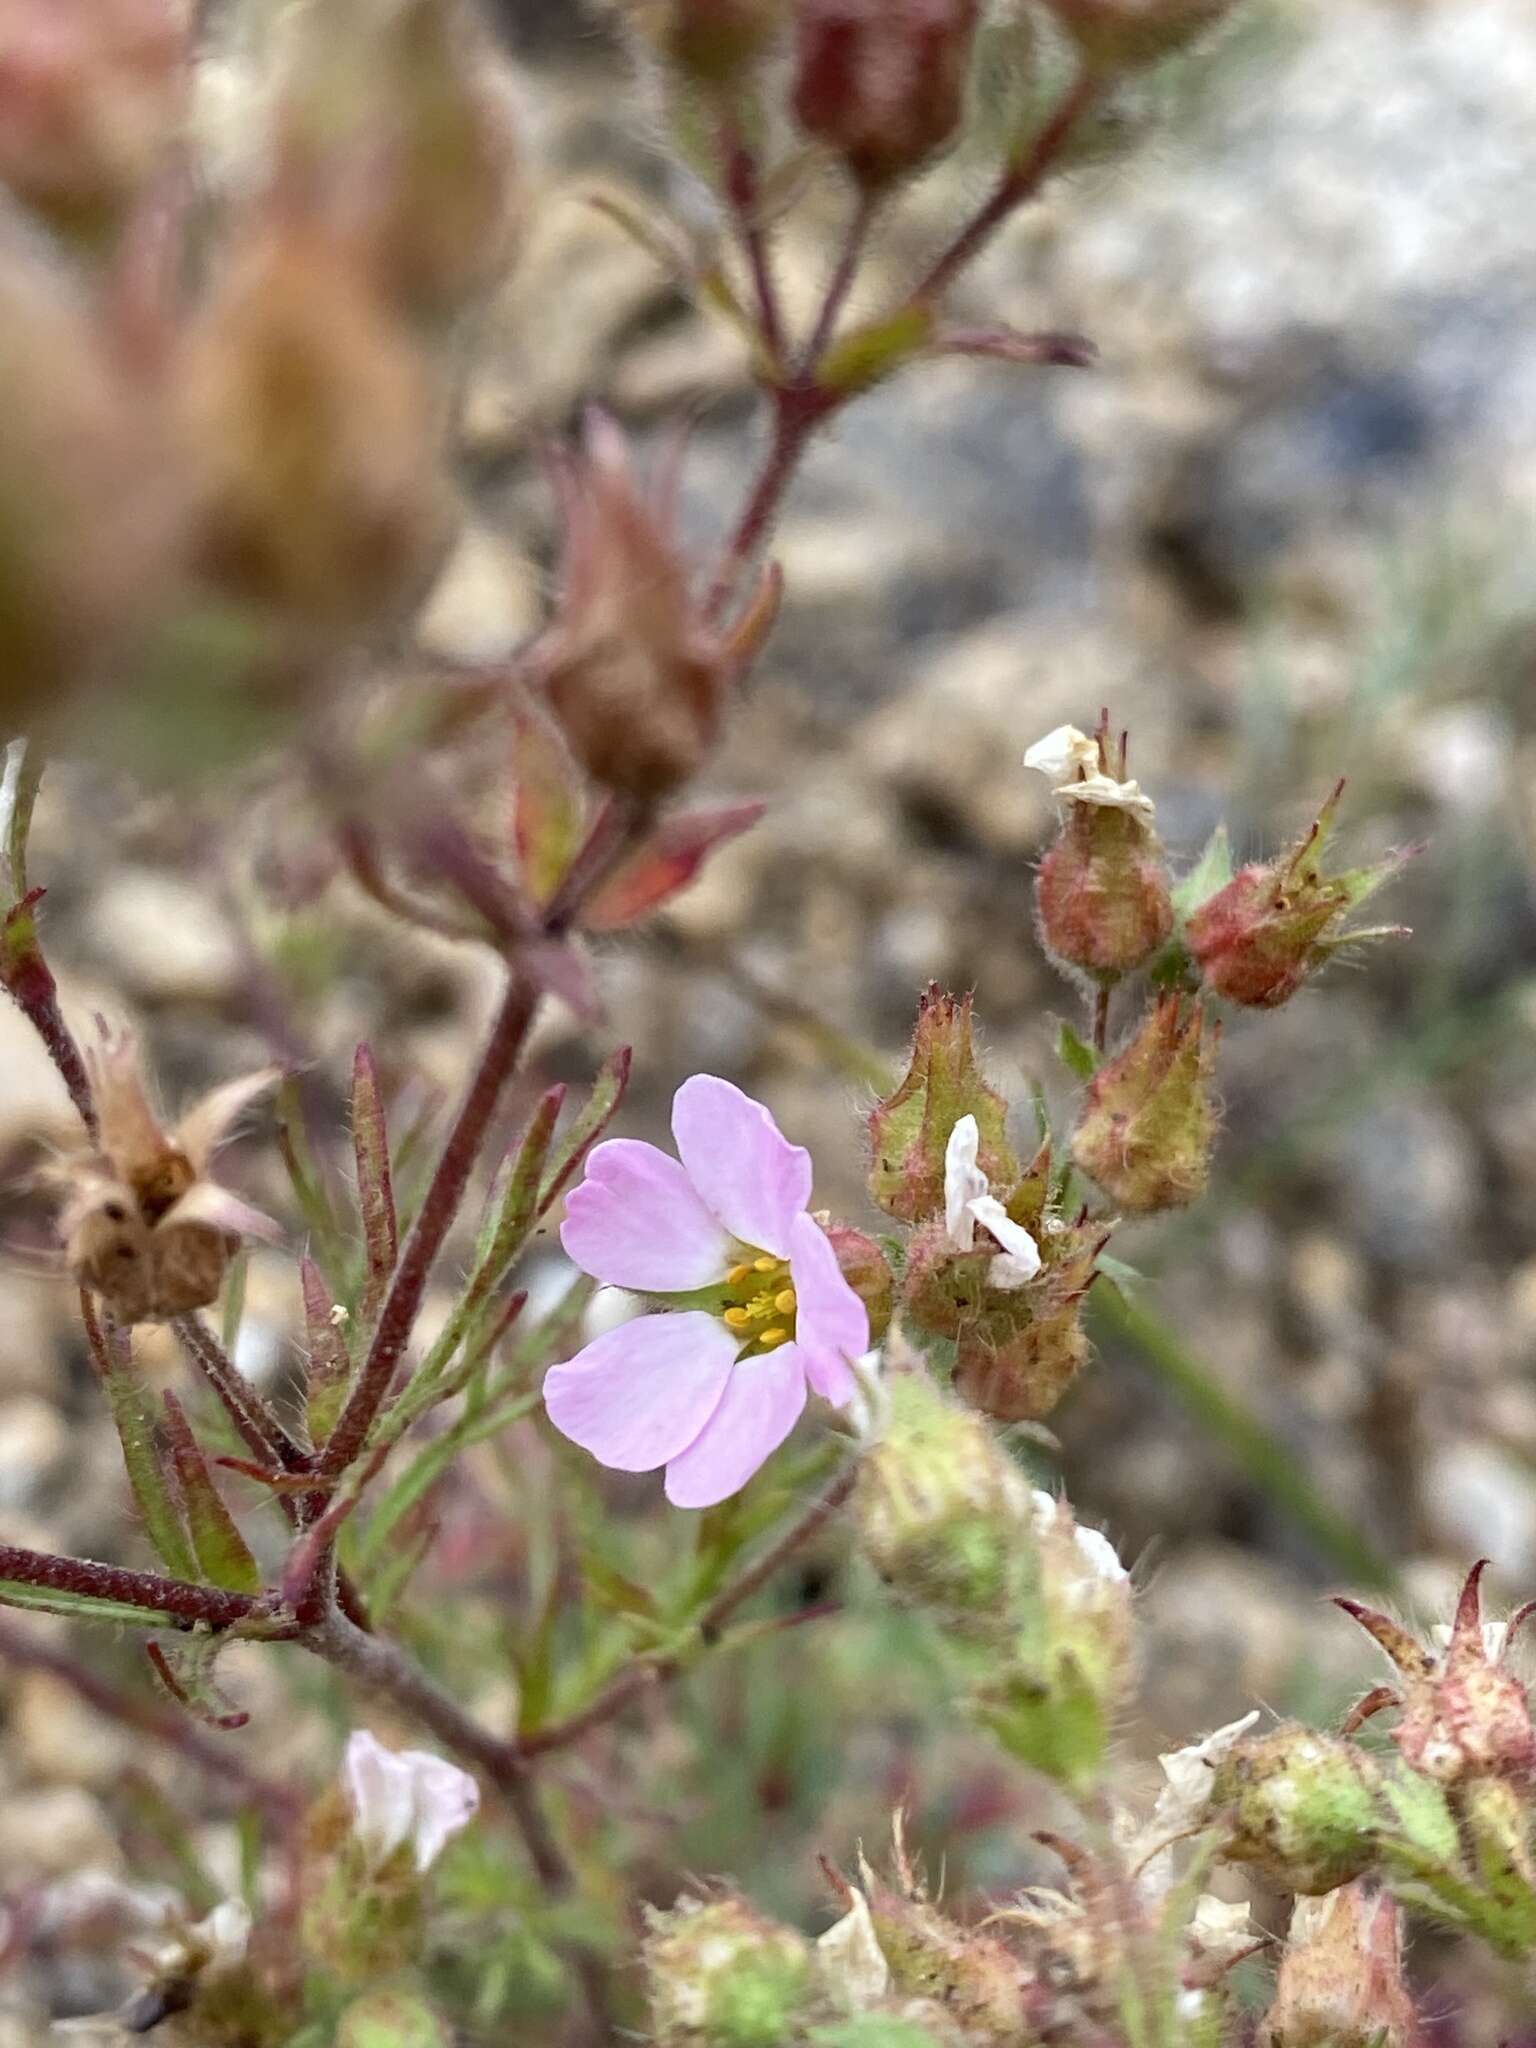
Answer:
(391, 2019)
(910, 1130)
(973, 1977)
(1301, 1807)
(720, 1975)
(1148, 1124)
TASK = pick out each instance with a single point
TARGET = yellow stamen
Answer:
(785, 1302)
(736, 1275)
(770, 1338)
(738, 1318)
(765, 1264)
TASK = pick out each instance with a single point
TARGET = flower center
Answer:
(760, 1303)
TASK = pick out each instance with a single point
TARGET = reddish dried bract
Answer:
(882, 82)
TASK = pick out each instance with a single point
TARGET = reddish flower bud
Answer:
(911, 1130)
(882, 82)
(1148, 1125)
(1341, 1980)
(317, 433)
(1260, 937)
(1465, 1715)
(868, 1272)
(91, 91)
(633, 669)
(1103, 896)
(397, 133)
(1117, 35)
(1299, 1806)
(711, 42)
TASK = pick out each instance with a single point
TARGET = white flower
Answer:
(1181, 1803)
(404, 1796)
(851, 1959)
(968, 1200)
(1221, 1932)
(1095, 1548)
(1069, 759)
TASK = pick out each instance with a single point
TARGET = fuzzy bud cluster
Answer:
(882, 82)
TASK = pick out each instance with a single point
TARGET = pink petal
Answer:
(831, 1323)
(744, 1168)
(761, 1405)
(635, 1221)
(638, 1395)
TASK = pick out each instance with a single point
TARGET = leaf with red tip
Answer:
(185, 1669)
(375, 1189)
(597, 1112)
(666, 864)
(223, 1558)
(1008, 345)
(132, 1410)
(330, 1367)
(549, 801)
(1411, 1658)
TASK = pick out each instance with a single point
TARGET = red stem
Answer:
(743, 193)
(842, 279)
(798, 411)
(433, 1222)
(187, 1603)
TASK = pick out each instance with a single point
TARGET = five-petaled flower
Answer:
(710, 1389)
(405, 1798)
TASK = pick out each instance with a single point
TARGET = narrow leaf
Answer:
(309, 1189)
(870, 354)
(375, 1191)
(1075, 1054)
(549, 803)
(597, 1113)
(1212, 871)
(223, 1557)
(18, 795)
(1010, 345)
(666, 864)
(330, 1366)
(185, 1668)
(132, 1411)
(80, 1606)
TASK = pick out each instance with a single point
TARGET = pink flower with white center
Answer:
(711, 1390)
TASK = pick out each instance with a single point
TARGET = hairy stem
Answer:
(178, 1598)
(434, 1220)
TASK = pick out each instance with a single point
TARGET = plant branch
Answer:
(848, 260)
(86, 1580)
(744, 197)
(648, 1672)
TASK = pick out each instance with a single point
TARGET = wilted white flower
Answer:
(1094, 1547)
(850, 1957)
(1187, 1775)
(1070, 761)
(404, 1796)
(968, 1200)
(1219, 1930)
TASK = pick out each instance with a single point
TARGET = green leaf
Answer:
(330, 1365)
(80, 1606)
(874, 352)
(18, 796)
(1212, 871)
(223, 1558)
(132, 1411)
(596, 1114)
(375, 1193)
(1076, 1054)
(184, 1666)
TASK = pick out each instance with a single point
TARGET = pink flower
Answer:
(712, 1390)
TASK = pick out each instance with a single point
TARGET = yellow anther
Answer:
(785, 1302)
(770, 1338)
(738, 1318)
(736, 1275)
(765, 1264)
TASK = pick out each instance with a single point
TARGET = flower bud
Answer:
(1103, 894)
(318, 438)
(868, 1272)
(720, 1975)
(1274, 924)
(966, 1973)
(1301, 1807)
(882, 82)
(941, 1510)
(910, 1130)
(91, 93)
(1147, 1125)
(391, 2019)
(89, 504)
(1341, 1978)
(1118, 35)
(398, 137)
(711, 42)
(635, 672)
